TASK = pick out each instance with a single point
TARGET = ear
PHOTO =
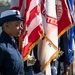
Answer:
(6, 25)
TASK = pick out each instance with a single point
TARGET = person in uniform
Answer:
(11, 62)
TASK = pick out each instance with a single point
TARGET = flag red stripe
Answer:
(16, 8)
(33, 37)
(33, 13)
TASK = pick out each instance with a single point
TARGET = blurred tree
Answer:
(4, 2)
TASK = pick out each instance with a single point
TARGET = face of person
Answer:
(14, 28)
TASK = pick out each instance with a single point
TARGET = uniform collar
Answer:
(6, 37)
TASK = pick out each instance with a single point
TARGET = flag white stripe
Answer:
(32, 5)
(34, 23)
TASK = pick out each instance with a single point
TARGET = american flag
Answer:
(33, 29)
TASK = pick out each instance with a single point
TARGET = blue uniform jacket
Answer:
(11, 62)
